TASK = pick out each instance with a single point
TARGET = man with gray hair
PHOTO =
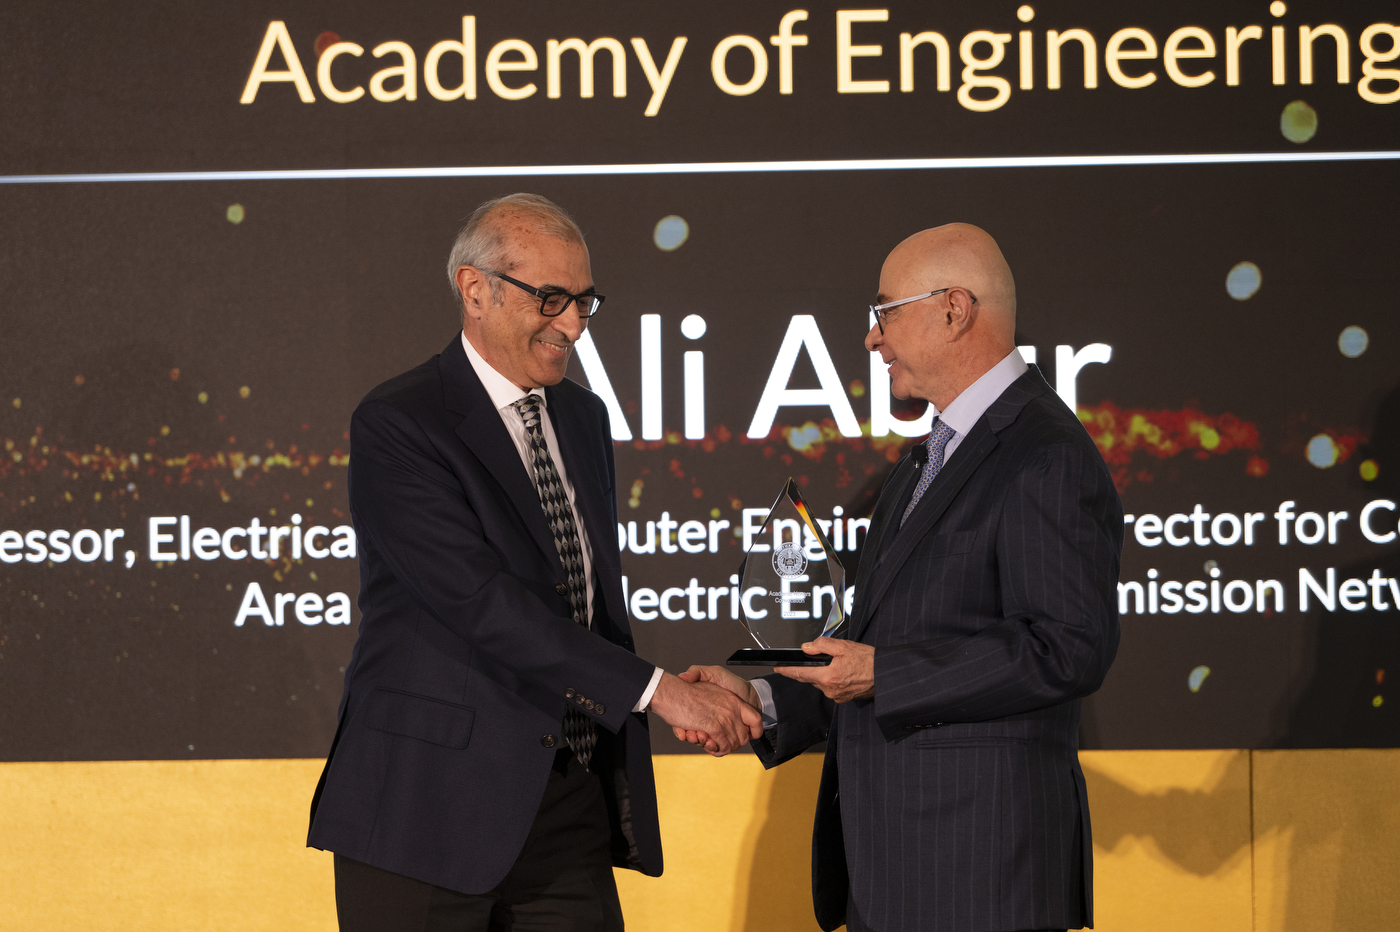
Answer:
(492, 761)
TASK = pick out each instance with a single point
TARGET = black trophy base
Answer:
(777, 657)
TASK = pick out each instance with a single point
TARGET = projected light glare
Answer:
(1353, 341)
(1197, 678)
(324, 41)
(693, 328)
(671, 233)
(1322, 451)
(235, 214)
(1298, 122)
(1369, 470)
(1243, 281)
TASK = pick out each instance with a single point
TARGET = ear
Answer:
(960, 314)
(475, 287)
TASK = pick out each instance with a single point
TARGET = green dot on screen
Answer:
(1299, 122)
(235, 213)
(671, 233)
(1243, 281)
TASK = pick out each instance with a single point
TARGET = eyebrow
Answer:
(881, 297)
(591, 289)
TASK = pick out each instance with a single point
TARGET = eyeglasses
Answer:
(879, 309)
(554, 301)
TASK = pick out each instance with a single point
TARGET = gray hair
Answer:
(480, 243)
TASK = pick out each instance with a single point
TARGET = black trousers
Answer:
(856, 924)
(562, 881)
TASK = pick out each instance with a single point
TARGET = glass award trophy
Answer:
(792, 587)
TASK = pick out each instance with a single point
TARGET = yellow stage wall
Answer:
(1274, 841)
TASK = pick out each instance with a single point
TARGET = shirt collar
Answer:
(501, 390)
(965, 410)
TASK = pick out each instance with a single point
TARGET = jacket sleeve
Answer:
(804, 719)
(411, 509)
(1058, 543)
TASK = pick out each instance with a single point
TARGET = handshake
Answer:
(709, 706)
(713, 708)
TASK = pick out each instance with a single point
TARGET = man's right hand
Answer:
(723, 678)
(703, 707)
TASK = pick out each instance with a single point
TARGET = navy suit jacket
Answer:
(467, 653)
(953, 800)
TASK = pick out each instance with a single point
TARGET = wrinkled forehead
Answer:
(565, 263)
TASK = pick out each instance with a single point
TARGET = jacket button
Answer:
(580, 700)
(561, 589)
(568, 694)
(600, 709)
(588, 704)
(547, 741)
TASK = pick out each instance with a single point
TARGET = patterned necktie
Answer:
(579, 731)
(937, 441)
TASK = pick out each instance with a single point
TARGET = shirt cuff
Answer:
(765, 696)
(647, 693)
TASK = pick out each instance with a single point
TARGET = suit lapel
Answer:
(876, 534)
(975, 448)
(969, 455)
(486, 436)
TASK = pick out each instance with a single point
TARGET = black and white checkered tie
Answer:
(579, 731)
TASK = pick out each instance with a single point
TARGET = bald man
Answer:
(985, 610)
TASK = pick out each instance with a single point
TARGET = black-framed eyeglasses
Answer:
(878, 310)
(554, 301)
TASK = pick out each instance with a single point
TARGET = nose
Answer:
(570, 324)
(874, 338)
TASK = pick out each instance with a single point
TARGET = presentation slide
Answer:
(225, 224)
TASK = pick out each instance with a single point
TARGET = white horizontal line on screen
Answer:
(709, 168)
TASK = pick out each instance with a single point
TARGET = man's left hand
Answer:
(851, 674)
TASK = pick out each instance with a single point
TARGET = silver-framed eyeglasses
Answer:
(879, 309)
(554, 301)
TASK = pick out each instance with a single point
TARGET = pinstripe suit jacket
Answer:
(953, 800)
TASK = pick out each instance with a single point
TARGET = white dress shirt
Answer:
(961, 414)
(967, 409)
(504, 394)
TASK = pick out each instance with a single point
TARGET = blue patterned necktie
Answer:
(580, 734)
(936, 443)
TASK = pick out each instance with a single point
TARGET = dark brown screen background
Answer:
(140, 321)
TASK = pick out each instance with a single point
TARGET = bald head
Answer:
(963, 254)
(938, 346)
